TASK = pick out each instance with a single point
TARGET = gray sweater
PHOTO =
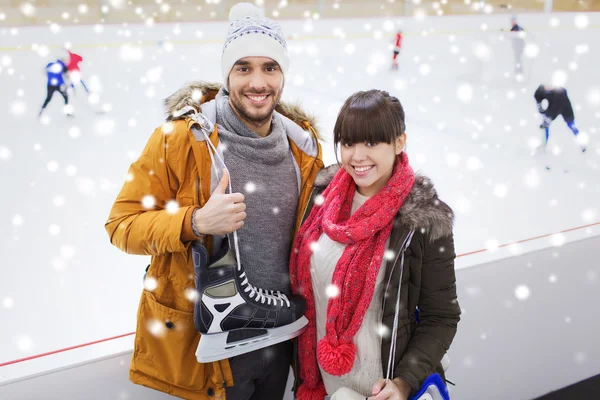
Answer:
(263, 170)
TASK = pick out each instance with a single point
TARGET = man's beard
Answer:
(255, 119)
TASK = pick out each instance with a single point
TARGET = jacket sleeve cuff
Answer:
(187, 233)
(410, 379)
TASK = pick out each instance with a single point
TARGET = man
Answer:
(172, 197)
(74, 72)
(55, 71)
(518, 44)
(397, 47)
(558, 104)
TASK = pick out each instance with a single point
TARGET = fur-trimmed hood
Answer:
(197, 92)
(422, 209)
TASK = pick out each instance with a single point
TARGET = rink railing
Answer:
(471, 253)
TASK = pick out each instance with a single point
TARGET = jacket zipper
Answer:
(400, 254)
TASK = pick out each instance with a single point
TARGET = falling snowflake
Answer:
(350, 48)
(250, 187)
(150, 283)
(25, 344)
(482, 51)
(59, 264)
(18, 108)
(593, 97)
(157, 328)
(131, 53)
(154, 74)
(104, 127)
(27, 9)
(314, 247)
(581, 21)
(172, 206)
(54, 229)
(522, 292)
(468, 361)
(559, 78)
(5, 153)
(465, 93)
(552, 278)
(424, 69)
(58, 201)
(500, 190)
(589, 215)
(580, 357)
(453, 159)
(52, 166)
(492, 245)
(17, 220)
(148, 201)
(463, 205)
(191, 294)
(74, 132)
(383, 331)
(558, 239)
(168, 128)
(8, 302)
(531, 178)
(67, 251)
(71, 170)
(332, 291)
(474, 163)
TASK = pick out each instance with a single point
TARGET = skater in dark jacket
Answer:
(558, 104)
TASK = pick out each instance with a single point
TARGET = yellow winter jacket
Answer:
(176, 165)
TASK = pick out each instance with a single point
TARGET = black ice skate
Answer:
(235, 317)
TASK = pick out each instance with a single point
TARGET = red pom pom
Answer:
(318, 393)
(336, 360)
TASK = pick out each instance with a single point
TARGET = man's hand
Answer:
(223, 213)
(397, 389)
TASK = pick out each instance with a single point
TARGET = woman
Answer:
(373, 225)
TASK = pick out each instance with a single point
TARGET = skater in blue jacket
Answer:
(55, 72)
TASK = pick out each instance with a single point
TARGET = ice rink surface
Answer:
(471, 125)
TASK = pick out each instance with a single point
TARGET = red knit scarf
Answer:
(365, 234)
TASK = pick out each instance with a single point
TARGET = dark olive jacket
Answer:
(428, 282)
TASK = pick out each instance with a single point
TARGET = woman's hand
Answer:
(398, 389)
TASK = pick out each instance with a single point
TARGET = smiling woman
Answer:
(375, 205)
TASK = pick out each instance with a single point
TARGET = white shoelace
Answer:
(392, 355)
(256, 294)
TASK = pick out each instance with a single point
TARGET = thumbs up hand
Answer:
(223, 213)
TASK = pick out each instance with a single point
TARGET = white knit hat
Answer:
(252, 35)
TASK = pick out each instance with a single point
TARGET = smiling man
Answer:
(272, 153)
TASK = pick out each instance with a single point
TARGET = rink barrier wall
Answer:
(508, 245)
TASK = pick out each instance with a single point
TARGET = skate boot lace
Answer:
(256, 294)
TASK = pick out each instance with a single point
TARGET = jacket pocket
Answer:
(165, 345)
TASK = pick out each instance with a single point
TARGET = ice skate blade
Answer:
(214, 347)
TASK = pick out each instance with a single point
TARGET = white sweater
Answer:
(367, 365)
